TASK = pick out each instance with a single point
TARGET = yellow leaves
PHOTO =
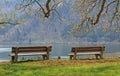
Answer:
(70, 32)
(87, 30)
(63, 20)
(2, 27)
(117, 29)
(41, 18)
(75, 29)
(80, 30)
(104, 30)
(29, 14)
(13, 16)
(1, 19)
(22, 21)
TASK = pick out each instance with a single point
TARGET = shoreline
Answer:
(106, 55)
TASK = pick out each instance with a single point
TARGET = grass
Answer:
(104, 67)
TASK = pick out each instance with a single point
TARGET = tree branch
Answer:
(47, 14)
(40, 6)
(109, 5)
(47, 6)
(116, 11)
(5, 22)
(55, 5)
(98, 15)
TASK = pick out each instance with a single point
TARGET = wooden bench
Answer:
(93, 50)
(44, 51)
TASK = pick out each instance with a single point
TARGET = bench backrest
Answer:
(32, 49)
(88, 49)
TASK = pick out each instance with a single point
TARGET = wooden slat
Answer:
(29, 54)
(84, 53)
(31, 49)
(80, 49)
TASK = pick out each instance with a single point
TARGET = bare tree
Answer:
(43, 6)
(104, 13)
(92, 10)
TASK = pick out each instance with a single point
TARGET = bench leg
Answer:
(74, 57)
(97, 56)
(16, 58)
(44, 57)
(12, 58)
(101, 56)
(71, 56)
(47, 57)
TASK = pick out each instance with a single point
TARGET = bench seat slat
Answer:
(29, 54)
(83, 53)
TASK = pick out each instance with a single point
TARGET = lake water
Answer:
(59, 49)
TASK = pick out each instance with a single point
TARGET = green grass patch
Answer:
(63, 68)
